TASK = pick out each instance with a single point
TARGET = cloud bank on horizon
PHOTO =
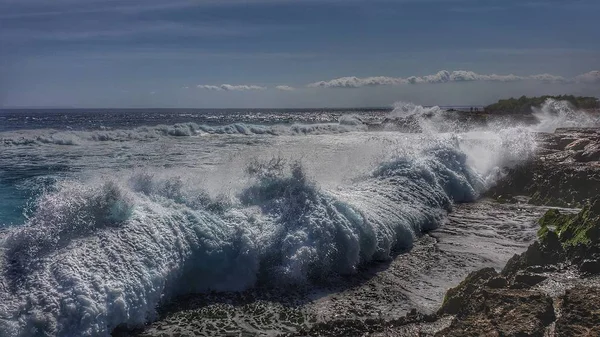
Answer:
(443, 76)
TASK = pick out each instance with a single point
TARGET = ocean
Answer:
(107, 215)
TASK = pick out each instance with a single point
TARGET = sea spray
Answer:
(427, 120)
(554, 114)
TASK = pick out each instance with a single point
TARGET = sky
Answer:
(294, 53)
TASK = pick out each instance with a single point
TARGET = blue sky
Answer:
(293, 53)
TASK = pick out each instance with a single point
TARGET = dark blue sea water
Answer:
(96, 119)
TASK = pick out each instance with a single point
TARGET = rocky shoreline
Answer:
(552, 289)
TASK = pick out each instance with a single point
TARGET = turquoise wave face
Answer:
(12, 203)
(20, 186)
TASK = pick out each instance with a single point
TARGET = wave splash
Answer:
(555, 114)
(99, 255)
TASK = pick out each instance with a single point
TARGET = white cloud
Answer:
(209, 87)
(445, 76)
(548, 78)
(356, 82)
(229, 87)
(591, 77)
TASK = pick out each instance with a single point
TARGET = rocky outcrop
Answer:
(463, 297)
(514, 302)
(532, 296)
(503, 312)
(565, 173)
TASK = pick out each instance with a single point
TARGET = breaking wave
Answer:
(416, 118)
(38, 137)
(98, 255)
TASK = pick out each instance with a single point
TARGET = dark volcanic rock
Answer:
(578, 144)
(497, 282)
(543, 253)
(505, 312)
(527, 280)
(580, 313)
(461, 298)
(590, 153)
(590, 267)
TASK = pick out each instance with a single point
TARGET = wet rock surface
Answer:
(503, 312)
(536, 298)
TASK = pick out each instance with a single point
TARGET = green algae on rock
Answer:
(572, 229)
